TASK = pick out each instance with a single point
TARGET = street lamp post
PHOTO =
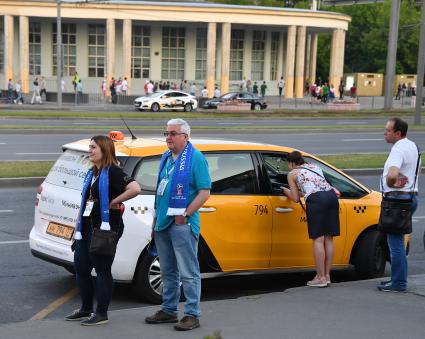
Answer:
(59, 52)
(420, 74)
(391, 54)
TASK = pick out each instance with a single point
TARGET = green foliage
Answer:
(367, 39)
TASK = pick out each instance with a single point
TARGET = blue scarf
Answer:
(104, 200)
(179, 190)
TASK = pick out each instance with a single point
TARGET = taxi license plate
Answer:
(61, 231)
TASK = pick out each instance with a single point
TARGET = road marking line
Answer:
(37, 153)
(420, 217)
(351, 122)
(6, 211)
(56, 304)
(351, 140)
(14, 242)
(2, 143)
(234, 123)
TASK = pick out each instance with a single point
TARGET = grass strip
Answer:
(16, 169)
(257, 128)
(358, 161)
(275, 113)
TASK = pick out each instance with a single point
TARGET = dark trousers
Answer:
(84, 263)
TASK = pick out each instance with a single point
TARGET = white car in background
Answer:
(169, 100)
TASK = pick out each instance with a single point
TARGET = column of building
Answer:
(336, 68)
(290, 62)
(126, 51)
(211, 49)
(225, 57)
(8, 48)
(299, 68)
(313, 57)
(307, 76)
(24, 53)
(110, 49)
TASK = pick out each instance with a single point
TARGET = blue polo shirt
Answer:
(199, 180)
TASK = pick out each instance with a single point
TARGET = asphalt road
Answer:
(48, 146)
(28, 285)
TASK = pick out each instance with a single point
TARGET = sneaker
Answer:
(14, 101)
(187, 323)
(317, 283)
(77, 315)
(161, 317)
(390, 288)
(95, 319)
(385, 282)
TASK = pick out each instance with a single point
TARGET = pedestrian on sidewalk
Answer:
(43, 88)
(322, 209)
(18, 89)
(105, 188)
(79, 93)
(399, 182)
(183, 187)
(36, 92)
(10, 91)
(281, 85)
(263, 88)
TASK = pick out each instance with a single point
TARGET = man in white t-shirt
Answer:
(216, 92)
(398, 181)
(124, 86)
(204, 93)
(150, 87)
(281, 85)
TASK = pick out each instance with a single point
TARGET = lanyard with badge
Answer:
(163, 184)
(90, 200)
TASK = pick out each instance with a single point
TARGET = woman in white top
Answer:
(322, 209)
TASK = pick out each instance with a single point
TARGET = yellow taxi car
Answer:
(246, 225)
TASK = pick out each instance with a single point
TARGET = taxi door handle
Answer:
(284, 209)
(207, 209)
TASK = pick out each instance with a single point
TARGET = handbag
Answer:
(396, 214)
(103, 242)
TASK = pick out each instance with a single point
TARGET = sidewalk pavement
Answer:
(273, 102)
(344, 310)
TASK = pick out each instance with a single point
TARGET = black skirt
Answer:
(322, 214)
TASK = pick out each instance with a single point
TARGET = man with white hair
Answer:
(183, 187)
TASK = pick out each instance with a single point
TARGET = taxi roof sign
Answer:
(116, 135)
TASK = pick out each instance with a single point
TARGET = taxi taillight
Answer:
(116, 135)
(39, 190)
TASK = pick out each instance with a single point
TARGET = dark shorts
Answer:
(322, 214)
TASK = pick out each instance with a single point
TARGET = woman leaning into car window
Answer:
(105, 189)
(322, 210)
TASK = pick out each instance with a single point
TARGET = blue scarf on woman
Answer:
(179, 189)
(104, 200)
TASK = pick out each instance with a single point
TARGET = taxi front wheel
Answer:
(371, 253)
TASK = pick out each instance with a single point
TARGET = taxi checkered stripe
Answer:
(139, 210)
(360, 209)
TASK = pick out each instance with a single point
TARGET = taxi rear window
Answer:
(69, 170)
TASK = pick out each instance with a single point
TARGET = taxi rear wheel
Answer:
(147, 281)
(371, 255)
(155, 107)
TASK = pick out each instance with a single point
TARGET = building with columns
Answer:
(202, 42)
